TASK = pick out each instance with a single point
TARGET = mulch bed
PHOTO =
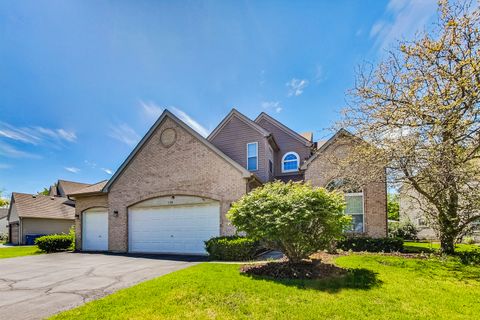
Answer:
(313, 269)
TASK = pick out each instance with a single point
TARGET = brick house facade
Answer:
(177, 168)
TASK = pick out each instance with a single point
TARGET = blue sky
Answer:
(82, 81)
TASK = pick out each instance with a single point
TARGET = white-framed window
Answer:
(355, 208)
(355, 205)
(290, 162)
(252, 156)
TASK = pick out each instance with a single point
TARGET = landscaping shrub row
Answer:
(54, 242)
(231, 248)
(358, 244)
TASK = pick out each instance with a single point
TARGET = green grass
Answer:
(381, 287)
(18, 251)
(416, 247)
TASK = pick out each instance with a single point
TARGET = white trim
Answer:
(256, 156)
(298, 162)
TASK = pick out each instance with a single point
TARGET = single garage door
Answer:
(179, 229)
(95, 230)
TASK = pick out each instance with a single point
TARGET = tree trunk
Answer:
(447, 243)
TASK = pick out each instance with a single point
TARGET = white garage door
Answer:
(95, 230)
(173, 229)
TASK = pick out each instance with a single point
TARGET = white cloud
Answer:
(5, 166)
(36, 135)
(190, 121)
(402, 19)
(90, 164)
(124, 133)
(12, 152)
(151, 109)
(72, 169)
(272, 105)
(320, 75)
(108, 171)
(296, 86)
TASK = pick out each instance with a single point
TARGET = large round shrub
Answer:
(54, 242)
(295, 218)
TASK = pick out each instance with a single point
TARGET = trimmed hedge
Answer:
(231, 248)
(469, 257)
(358, 244)
(54, 242)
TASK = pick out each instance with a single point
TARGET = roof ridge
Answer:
(166, 113)
(283, 127)
(242, 117)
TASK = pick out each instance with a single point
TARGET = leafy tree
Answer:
(393, 207)
(294, 218)
(419, 107)
(45, 191)
(4, 202)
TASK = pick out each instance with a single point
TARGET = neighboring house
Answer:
(3, 222)
(410, 210)
(173, 191)
(30, 215)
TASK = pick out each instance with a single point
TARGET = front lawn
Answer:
(381, 287)
(411, 246)
(18, 251)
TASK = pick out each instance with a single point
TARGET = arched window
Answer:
(290, 162)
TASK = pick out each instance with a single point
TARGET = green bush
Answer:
(371, 244)
(469, 257)
(54, 242)
(232, 248)
(294, 218)
(403, 229)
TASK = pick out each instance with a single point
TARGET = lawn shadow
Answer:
(357, 279)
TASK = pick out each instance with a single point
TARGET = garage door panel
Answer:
(173, 229)
(95, 230)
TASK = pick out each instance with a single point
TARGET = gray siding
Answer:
(232, 140)
(286, 143)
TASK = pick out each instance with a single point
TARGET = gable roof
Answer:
(95, 188)
(167, 114)
(66, 187)
(235, 113)
(340, 133)
(284, 128)
(40, 206)
(249, 122)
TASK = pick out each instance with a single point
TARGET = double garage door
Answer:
(152, 228)
(173, 229)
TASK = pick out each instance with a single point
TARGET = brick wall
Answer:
(188, 167)
(82, 204)
(322, 170)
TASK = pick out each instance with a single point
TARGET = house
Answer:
(410, 210)
(33, 215)
(173, 191)
(3, 223)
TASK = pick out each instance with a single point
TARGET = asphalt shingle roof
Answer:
(96, 187)
(40, 206)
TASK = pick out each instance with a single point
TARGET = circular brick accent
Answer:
(168, 137)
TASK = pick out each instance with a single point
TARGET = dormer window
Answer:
(252, 156)
(290, 162)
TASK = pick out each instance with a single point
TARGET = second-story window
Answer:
(290, 162)
(252, 156)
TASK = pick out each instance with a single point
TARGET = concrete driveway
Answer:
(35, 287)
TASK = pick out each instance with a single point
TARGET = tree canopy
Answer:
(419, 111)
